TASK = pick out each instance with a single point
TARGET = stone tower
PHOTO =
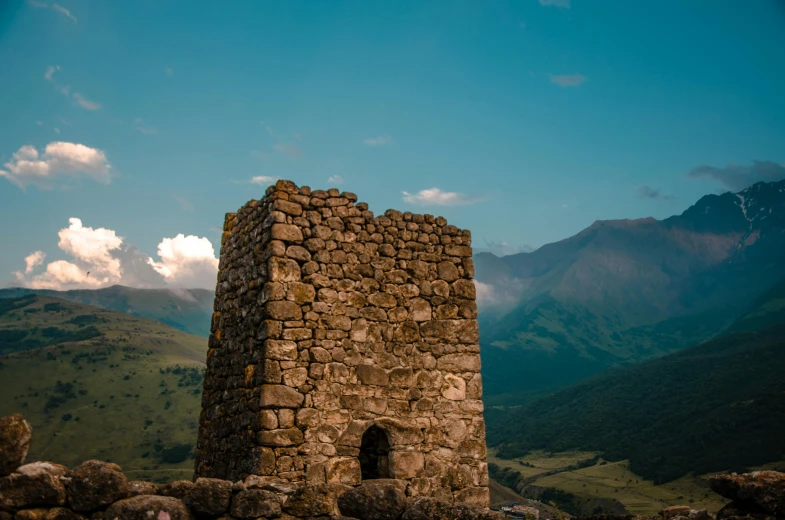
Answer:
(344, 347)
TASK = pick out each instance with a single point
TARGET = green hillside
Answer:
(187, 310)
(99, 384)
(713, 407)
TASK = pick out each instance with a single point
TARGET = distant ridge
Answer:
(622, 291)
(187, 310)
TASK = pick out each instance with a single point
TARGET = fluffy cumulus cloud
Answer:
(60, 160)
(335, 179)
(98, 257)
(568, 80)
(187, 261)
(380, 140)
(736, 177)
(437, 197)
(33, 260)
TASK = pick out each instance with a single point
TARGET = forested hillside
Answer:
(713, 407)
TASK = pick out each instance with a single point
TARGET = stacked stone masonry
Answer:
(344, 347)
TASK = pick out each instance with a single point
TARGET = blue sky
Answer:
(538, 116)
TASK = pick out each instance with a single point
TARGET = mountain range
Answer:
(623, 291)
(618, 292)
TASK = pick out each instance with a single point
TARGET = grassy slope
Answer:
(112, 387)
(712, 407)
(187, 310)
(611, 480)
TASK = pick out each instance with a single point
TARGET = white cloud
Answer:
(65, 12)
(380, 140)
(101, 258)
(50, 72)
(500, 293)
(26, 167)
(561, 4)
(485, 292)
(187, 261)
(263, 180)
(568, 80)
(93, 264)
(54, 7)
(33, 260)
(91, 246)
(435, 196)
(39, 123)
(57, 130)
(86, 103)
(335, 179)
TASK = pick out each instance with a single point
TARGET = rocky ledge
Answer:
(97, 490)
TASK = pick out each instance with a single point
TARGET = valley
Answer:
(129, 394)
(599, 479)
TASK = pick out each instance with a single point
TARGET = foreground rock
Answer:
(20, 491)
(148, 507)
(432, 509)
(314, 500)
(95, 484)
(382, 499)
(15, 437)
(760, 492)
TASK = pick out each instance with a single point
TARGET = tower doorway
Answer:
(374, 454)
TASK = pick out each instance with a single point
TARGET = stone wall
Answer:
(344, 347)
(97, 490)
